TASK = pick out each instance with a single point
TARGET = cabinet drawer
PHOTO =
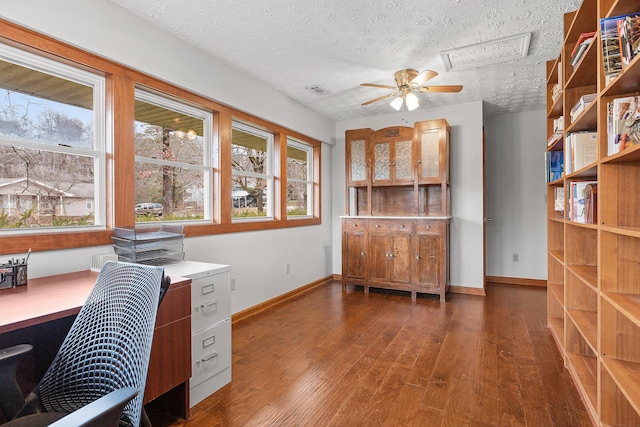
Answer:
(211, 352)
(391, 225)
(210, 300)
(359, 224)
(429, 227)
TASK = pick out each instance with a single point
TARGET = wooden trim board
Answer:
(517, 281)
(251, 311)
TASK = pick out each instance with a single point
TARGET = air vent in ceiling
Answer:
(485, 53)
(317, 89)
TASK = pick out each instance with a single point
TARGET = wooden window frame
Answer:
(120, 84)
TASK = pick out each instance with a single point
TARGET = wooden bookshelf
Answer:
(593, 302)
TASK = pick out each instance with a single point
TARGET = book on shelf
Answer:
(581, 46)
(629, 38)
(581, 149)
(576, 206)
(558, 124)
(591, 203)
(555, 137)
(558, 199)
(554, 165)
(621, 113)
(560, 82)
(556, 91)
(581, 105)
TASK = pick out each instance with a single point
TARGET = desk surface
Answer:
(46, 298)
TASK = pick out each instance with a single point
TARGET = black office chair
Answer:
(106, 349)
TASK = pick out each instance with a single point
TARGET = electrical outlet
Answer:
(516, 257)
(233, 284)
(287, 268)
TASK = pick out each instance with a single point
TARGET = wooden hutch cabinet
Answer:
(396, 231)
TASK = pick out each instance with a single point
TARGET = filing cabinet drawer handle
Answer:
(211, 356)
(209, 304)
(207, 358)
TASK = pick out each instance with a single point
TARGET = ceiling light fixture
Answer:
(405, 101)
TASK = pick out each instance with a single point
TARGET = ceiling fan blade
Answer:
(450, 88)
(377, 85)
(380, 98)
(423, 77)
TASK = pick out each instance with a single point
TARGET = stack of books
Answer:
(581, 105)
(581, 46)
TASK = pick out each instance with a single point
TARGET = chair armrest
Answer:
(12, 398)
(103, 412)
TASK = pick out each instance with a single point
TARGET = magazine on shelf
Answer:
(610, 45)
(629, 38)
(612, 53)
(577, 208)
(621, 113)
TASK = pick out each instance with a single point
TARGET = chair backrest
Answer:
(109, 343)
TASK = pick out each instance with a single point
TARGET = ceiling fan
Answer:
(407, 82)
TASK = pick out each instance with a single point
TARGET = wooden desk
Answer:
(42, 309)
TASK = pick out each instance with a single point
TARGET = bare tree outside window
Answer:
(171, 162)
(47, 172)
(251, 178)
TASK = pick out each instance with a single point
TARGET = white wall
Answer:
(257, 258)
(466, 184)
(516, 195)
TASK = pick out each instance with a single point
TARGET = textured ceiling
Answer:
(338, 44)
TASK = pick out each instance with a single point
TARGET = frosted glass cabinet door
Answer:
(430, 154)
(381, 166)
(403, 160)
(358, 161)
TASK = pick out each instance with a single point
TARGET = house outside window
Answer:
(173, 172)
(299, 179)
(252, 172)
(52, 143)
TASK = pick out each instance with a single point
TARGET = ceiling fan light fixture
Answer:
(412, 101)
(397, 103)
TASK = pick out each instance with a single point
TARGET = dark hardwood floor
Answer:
(334, 358)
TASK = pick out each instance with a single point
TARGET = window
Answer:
(252, 176)
(51, 143)
(299, 179)
(173, 144)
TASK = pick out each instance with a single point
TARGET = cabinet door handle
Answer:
(417, 258)
(401, 225)
(362, 254)
(377, 225)
(419, 161)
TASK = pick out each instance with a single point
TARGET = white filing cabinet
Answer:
(210, 326)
